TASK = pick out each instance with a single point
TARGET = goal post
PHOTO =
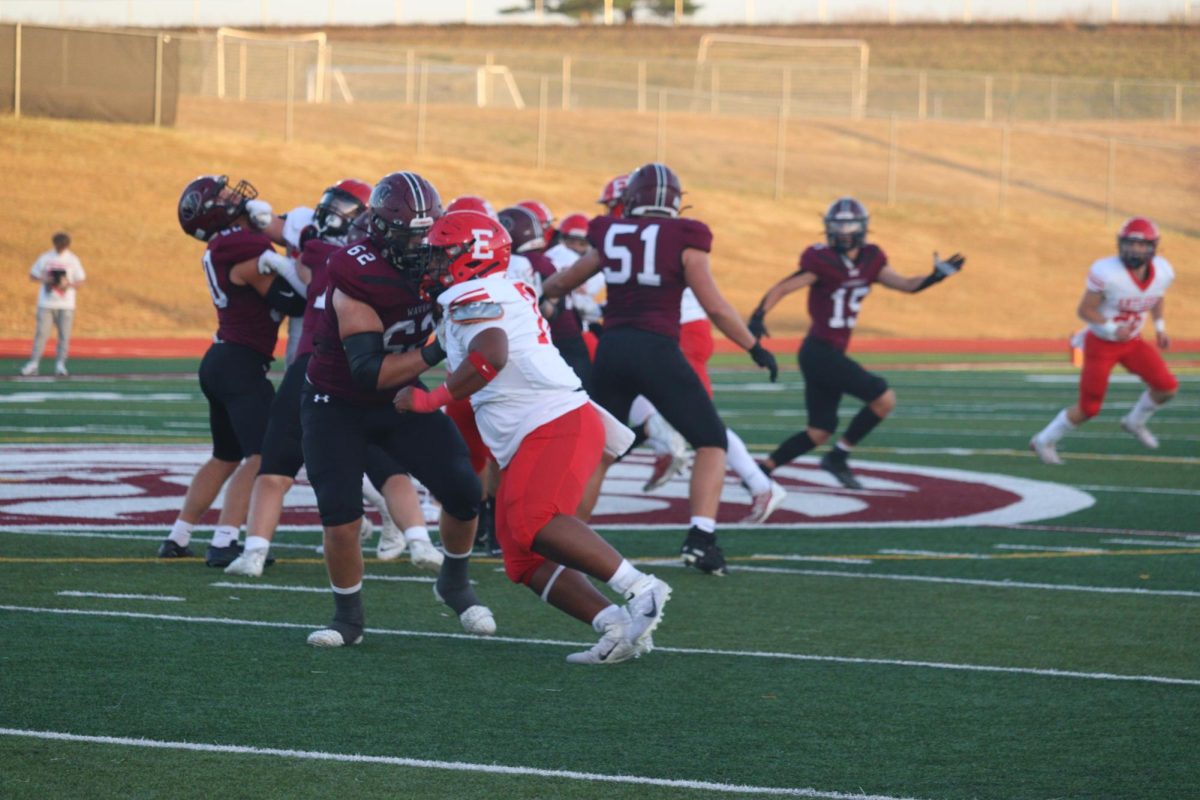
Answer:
(318, 39)
(718, 47)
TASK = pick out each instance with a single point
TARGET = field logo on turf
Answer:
(131, 487)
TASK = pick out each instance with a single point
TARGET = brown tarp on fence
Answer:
(84, 74)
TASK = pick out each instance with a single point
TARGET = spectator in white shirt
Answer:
(58, 273)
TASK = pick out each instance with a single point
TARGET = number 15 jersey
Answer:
(643, 267)
(835, 299)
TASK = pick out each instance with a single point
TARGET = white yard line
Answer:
(934, 553)
(885, 576)
(1140, 490)
(1085, 529)
(1041, 548)
(829, 559)
(110, 596)
(281, 587)
(1055, 673)
(1193, 544)
(451, 766)
(57, 530)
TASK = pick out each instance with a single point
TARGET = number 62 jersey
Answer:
(836, 298)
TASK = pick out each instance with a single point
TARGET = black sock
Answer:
(792, 449)
(454, 586)
(863, 423)
(639, 435)
(349, 610)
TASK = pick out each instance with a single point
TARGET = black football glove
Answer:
(765, 359)
(757, 323)
(942, 269)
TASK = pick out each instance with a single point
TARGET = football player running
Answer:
(839, 274)
(546, 434)
(233, 372)
(1120, 291)
(649, 257)
(367, 344)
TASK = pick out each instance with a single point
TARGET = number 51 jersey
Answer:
(643, 267)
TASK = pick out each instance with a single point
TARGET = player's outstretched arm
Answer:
(795, 281)
(486, 356)
(942, 268)
(371, 367)
(562, 283)
(697, 272)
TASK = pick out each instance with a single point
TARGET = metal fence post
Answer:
(714, 98)
(641, 87)
(1111, 184)
(660, 152)
(1179, 104)
(922, 94)
(893, 160)
(242, 72)
(781, 134)
(566, 83)
(158, 79)
(988, 81)
(543, 110)
(1116, 100)
(1005, 161)
(410, 69)
(289, 101)
(422, 97)
(1054, 99)
(17, 72)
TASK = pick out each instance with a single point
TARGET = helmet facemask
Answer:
(335, 214)
(1136, 253)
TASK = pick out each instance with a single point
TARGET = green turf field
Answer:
(1058, 658)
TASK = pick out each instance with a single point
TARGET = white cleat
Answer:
(478, 621)
(391, 542)
(1141, 433)
(328, 637)
(60, 371)
(30, 369)
(671, 452)
(1045, 451)
(250, 563)
(424, 554)
(646, 599)
(765, 503)
(615, 646)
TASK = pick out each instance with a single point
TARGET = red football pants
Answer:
(464, 419)
(696, 342)
(1137, 355)
(544, 479)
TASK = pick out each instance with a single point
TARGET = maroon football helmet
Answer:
(524, 228)
(1137, 242)
(846, 224)
(403, 208)
(339, 205)
(652, 189)
(465, 245)
(208, 205)
(544, 215)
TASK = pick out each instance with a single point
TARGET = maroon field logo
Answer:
(142, 487)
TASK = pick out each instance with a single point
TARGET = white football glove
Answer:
(270, 261)
(260, 213)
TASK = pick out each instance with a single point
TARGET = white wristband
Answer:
(1160, 325)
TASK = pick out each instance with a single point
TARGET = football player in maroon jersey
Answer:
(648, 257)
(839, 275)
(233, 372)
(368, 343)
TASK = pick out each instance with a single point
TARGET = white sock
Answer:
(607, 617)
(844, 446)
(625, 577)
(181, 533)
(706, 524)
(1143, 409)
(257, 543)
(348, 590)
(739, 460)
(1059, 427)
(224, 535)
(372, 496)
(417, 533)
(640, 411)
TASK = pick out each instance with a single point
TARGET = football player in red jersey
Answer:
(545, 432)
(233, 372)
(649, 257)
(839, 274)
(369, 342)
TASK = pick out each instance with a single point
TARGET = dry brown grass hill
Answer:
(115, 187)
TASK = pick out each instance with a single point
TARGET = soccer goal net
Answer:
(266, 66)
(807, 74)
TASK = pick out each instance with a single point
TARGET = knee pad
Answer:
(462, 499)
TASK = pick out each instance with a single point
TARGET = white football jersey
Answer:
(690, 309)
(520, 269)
(535, 386)
(1125, 299)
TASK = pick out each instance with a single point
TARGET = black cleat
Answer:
(700, 551)
(172, 549)
(223, 556)
(485, 532)
(838, 468)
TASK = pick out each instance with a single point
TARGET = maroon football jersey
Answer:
(315, 252)
(243, 316)
(643, 267)
(835, 299)
(565, 324)
(360, 272)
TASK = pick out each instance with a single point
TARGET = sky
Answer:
(210, 13)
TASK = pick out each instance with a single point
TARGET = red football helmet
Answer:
(472, 202)
(403, 208)
(208, 205)
(1137, 242)
(465, 245)
(652, 189)
(846, 224)
(574, 226)
(339, 205)
(524, 228)
(544, 215)
(610, 198)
